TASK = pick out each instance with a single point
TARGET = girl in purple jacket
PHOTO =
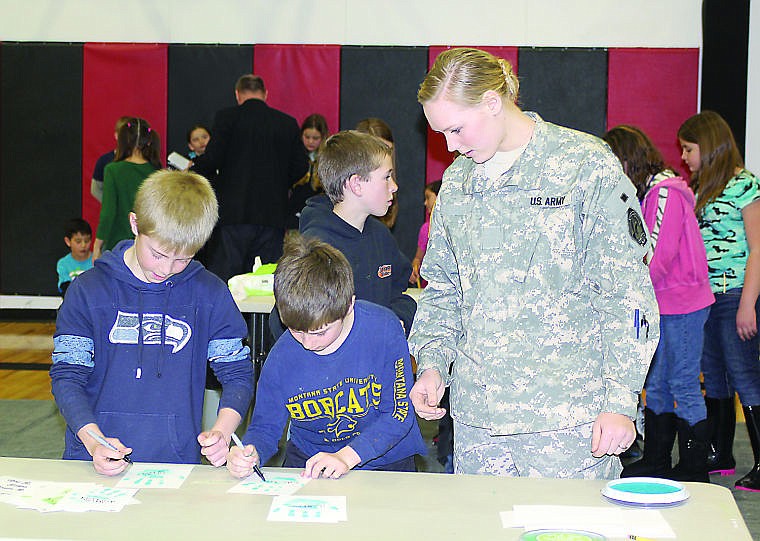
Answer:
(678, 268)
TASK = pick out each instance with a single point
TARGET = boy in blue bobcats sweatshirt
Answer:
(340, 373)
(135, 333)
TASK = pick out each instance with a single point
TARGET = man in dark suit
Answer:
(258, 153)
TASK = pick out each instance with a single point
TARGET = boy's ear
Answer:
(354, 183)
(67, 240)
(133, 223)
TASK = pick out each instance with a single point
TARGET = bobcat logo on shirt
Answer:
(125, 330)
(342, 405)
(383, 271)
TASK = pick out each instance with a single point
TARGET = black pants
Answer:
(233, 248)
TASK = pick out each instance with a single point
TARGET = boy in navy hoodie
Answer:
(356, 170)
(341, 374)
(134, 334)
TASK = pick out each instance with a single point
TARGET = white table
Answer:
(30, 302)
(263, 304)
(258, 308)
(381, 505)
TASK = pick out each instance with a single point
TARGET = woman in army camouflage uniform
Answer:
(539, 310)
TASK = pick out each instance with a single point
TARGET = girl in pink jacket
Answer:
(678, 268)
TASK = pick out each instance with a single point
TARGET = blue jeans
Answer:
(674, 373)
(728, 362)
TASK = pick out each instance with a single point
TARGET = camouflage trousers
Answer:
(559, 453)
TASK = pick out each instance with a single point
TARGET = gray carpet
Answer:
(34, 429)
(31, 428)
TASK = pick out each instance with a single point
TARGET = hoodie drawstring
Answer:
(169, 285)
(138, 372)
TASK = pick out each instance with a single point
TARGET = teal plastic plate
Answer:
(561, 535)
(645, 491)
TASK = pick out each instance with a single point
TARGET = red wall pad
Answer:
(656, 90)
(438, 157)
(118, 79)
(301, 79)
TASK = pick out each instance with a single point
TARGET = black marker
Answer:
(102, 441)
(255, 467)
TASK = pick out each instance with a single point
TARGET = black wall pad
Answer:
(565, 86)
(382, 82)
(201, 81)
(40, 161)
(725, 41)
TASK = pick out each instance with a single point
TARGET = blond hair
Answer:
(176, 208)
(313, 284)
(463, 75)
(348, 153)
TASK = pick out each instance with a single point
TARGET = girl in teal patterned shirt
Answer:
(728, 210)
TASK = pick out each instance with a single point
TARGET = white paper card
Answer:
(607, 521)
(155, 476)
(49, 496)
(275, 485)
(308, 509)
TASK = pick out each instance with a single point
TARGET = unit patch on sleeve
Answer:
(636, 228)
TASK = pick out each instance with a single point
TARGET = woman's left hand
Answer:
(612, 434)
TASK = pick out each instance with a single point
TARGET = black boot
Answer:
(721, 423)
(751, 481)
(636, 450)
(659, 435)
(692, 452)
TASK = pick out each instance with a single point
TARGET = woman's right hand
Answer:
(426, 394)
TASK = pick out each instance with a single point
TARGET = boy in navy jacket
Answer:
(134, 334)
(340, 373)
(356, 170)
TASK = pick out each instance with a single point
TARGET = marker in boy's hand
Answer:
(241, 460)
(109, 456)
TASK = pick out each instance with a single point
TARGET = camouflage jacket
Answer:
(538, 298)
